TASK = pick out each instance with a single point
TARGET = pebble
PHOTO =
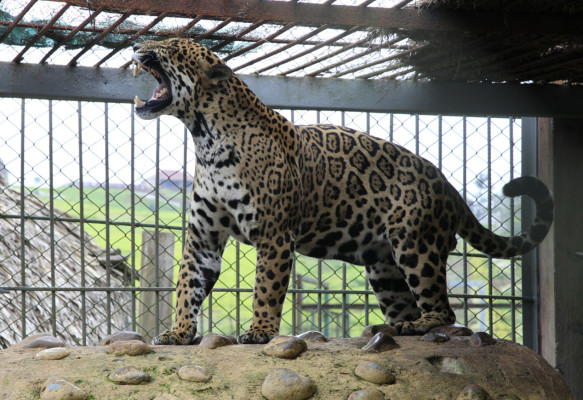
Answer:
(129, 347)
(285, 347)
(452, 330)
(379, 343)
(129, 376)
(313, 336)
(122, 336)
(46, 342)
(371, 330)
(213, 340)
(473, 392)
(367, 394)
(194, 373)
(435, 337)
(481, 339)
(375, 373)
(285, 384)
(56, 388)
(54, 353)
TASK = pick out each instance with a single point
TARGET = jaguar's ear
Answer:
(218, 73)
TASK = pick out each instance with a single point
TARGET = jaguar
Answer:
(324, 191)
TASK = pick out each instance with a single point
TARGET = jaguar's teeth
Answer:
(138, 102)
(137, 68)
(161, 93)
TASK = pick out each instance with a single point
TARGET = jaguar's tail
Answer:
(497, 246)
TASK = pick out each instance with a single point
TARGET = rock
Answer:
(367, 394)
(129, 347)
(313, 336)
(54, 353)
(129, 376)
(56, 388)
(473, 392)
(452, 330)
(194, 373)
(166, 396)
(121, 336)
(371, 330)
(375, 373)
(46, 342)
(480, 339)
(285, 384)
(213, 340)
(379, 343)
(285, 347)
(435, 337)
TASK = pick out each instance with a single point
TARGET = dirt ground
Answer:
(423, 370)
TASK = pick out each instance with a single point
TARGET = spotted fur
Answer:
(322, 190)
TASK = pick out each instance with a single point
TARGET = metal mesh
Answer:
(95, 173)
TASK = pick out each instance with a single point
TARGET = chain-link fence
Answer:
(92, 205)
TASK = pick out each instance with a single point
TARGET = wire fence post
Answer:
(151, 324)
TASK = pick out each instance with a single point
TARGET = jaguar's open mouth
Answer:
(162, 94)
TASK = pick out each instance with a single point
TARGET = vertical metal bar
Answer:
(157, 228)
(490, 264)
(440, 142)
(530, 311)
(366, 284)
(344, 302)
(417, 134)
(319, 263)
(107, 215)
(465, 197)
(82, 225)
(391, 127)
(22, 218)
(512, 260)
(238, 285)
(133, 213)
(52, 222)
(294, 285)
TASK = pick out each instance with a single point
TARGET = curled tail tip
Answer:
(526, 185)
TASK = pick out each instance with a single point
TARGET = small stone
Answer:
(54, 353)
(371, 330)
(46, 342)
(213, 340)
(367, 394)
(285, 347)
(285, 384)
(435, 337)
(194, 373)
(122, 336)
(473, 392)
(313, 336)
(379, 343)
(375, 373)
(166, 396)
(56, 388)
(452, 330)
(481, 339)
(129, 347)
(129, 376)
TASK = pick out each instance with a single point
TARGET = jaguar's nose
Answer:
(136, 46)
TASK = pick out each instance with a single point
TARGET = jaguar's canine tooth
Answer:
(138, 102)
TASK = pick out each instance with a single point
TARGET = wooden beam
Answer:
(349, 16)
(118, 85)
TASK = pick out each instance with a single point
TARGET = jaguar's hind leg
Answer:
(392, 292)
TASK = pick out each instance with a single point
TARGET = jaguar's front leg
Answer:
(199, 270)
(274, 263)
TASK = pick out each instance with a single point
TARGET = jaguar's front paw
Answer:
(256, 336)
(175, 337)
(425, 323)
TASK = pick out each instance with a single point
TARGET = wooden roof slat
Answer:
(408, 19)
(122, 18)
(244, 32)
(260, 42)
(283, 48)
(215, 29)
(17, 20)
(48, 25)
(376, 62)
(145, 29)
(72, 34)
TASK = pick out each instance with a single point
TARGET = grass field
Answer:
(225, 307)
